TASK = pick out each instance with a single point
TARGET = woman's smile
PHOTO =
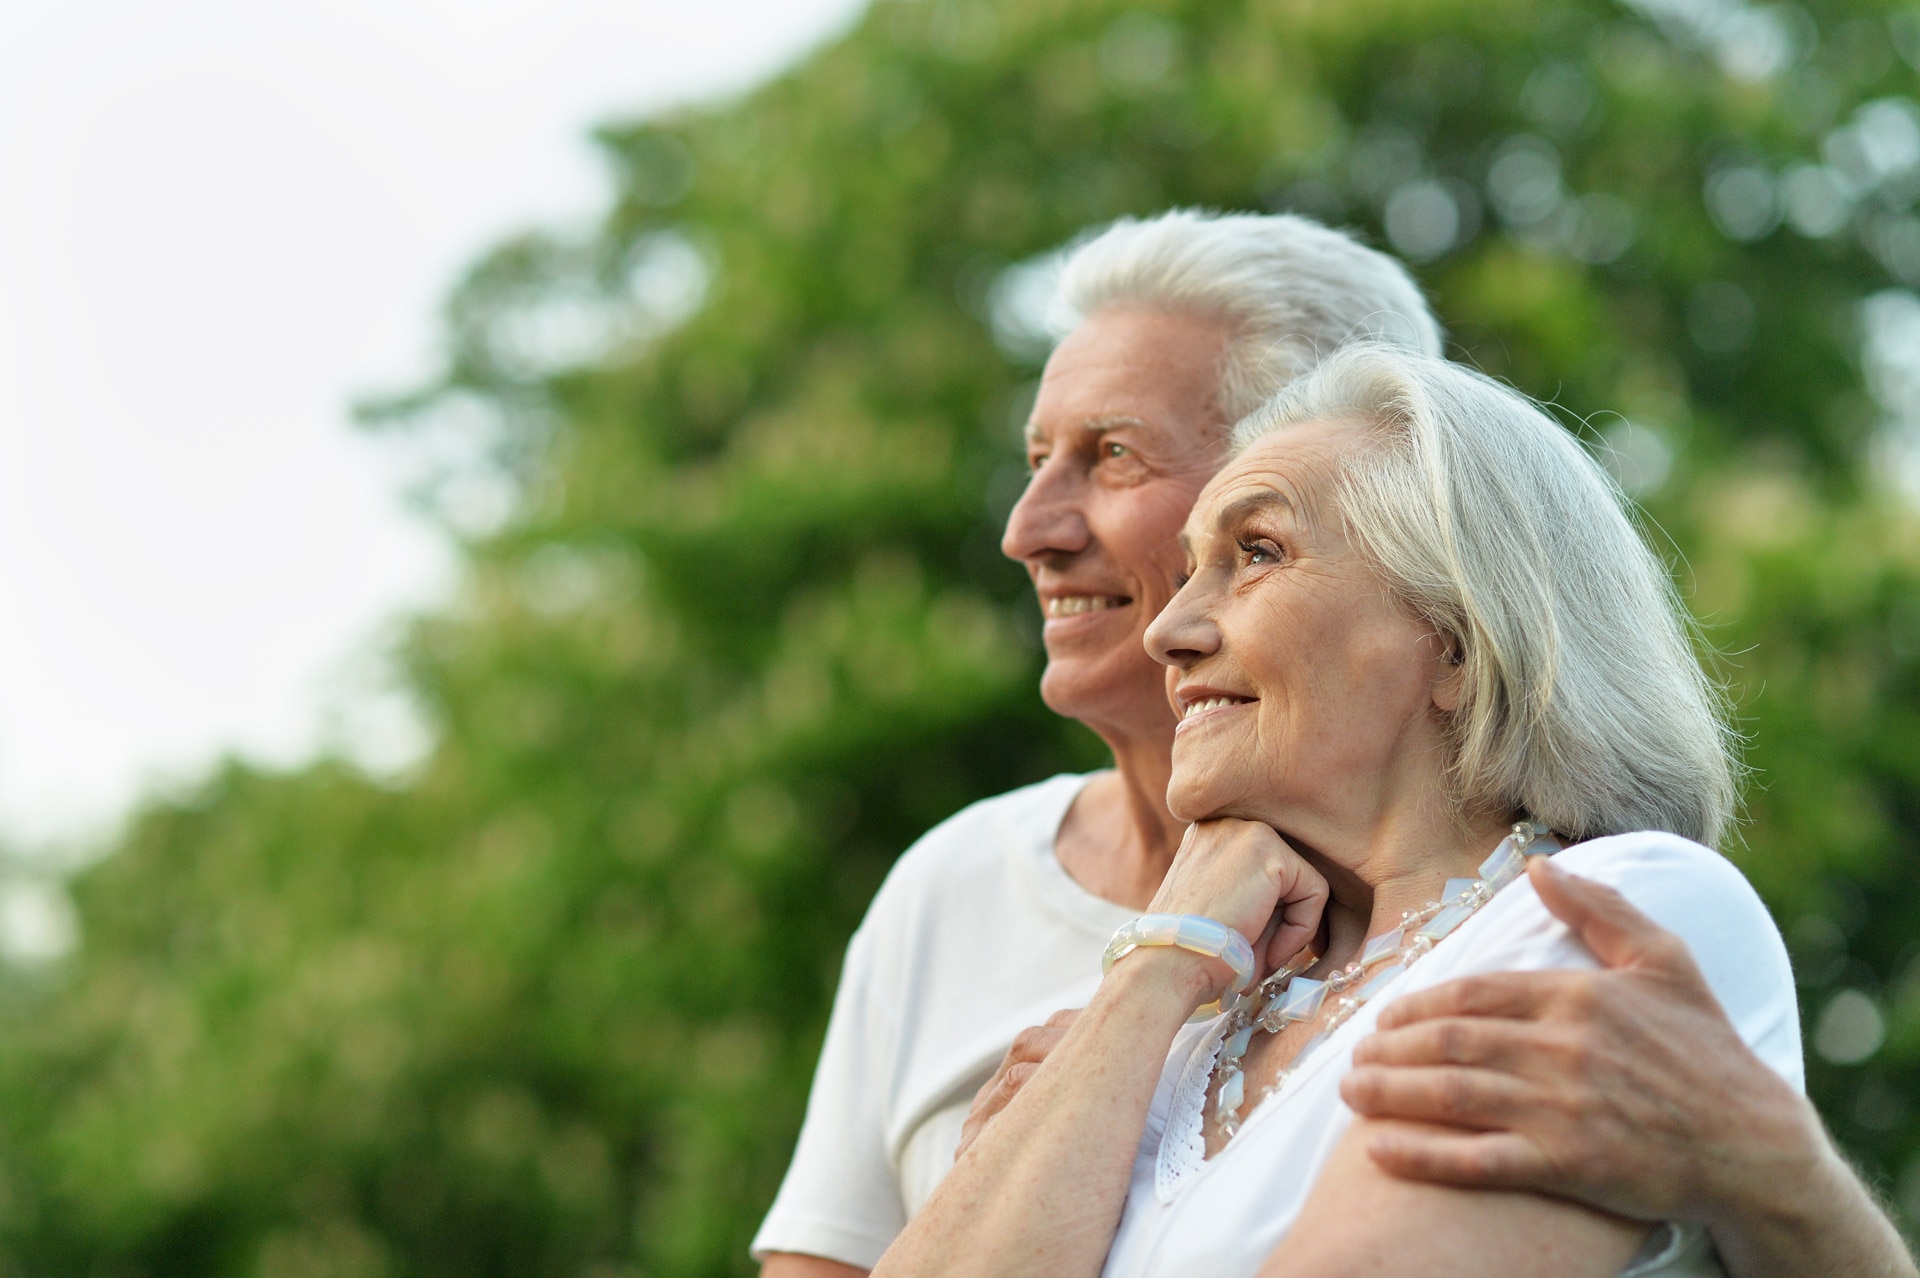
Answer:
(1200, 706)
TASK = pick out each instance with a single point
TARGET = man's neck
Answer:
(1118, 838)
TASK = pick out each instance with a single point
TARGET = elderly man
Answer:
(997, 917)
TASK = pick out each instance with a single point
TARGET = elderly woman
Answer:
(1418, 642)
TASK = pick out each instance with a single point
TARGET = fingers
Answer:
(1031, 1045)
(1489, 1160)
(1480, 1041)
(1519, 996)
(1303, 899)
(1450, 1096)
(991, 1099)
(1023, 1059)
(1618, 934)
(1241, 872)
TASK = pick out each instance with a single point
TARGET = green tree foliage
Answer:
(734, 629)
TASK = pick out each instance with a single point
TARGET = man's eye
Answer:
(1112, 450)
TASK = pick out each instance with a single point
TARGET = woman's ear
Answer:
(1449, 682)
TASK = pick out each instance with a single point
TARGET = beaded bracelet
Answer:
(1193, 932)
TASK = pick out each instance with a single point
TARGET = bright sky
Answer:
(221, 222)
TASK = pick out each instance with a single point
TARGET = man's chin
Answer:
(1102, 688)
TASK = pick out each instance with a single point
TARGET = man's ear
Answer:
(1450, 674)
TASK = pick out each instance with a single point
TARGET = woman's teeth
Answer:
(1212, 703)
(1074, 605)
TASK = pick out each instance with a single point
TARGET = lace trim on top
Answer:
(1183, 1146)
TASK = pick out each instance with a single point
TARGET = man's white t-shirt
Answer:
(1224, 1215)
(977, 933)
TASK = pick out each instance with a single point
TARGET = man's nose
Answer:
(1049, 519)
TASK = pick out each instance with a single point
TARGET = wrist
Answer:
(1778, 1180)
(1195, 933)
(1178, 977)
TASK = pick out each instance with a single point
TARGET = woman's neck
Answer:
(1403, 867)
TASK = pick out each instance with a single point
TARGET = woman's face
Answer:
(1305, 693)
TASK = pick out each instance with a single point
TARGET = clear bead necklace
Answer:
(1287, 997)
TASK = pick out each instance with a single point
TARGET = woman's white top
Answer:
(1223, 1217)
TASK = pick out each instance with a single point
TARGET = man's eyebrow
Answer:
(1096, 425)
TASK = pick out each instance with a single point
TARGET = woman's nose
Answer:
(1184, 631)
(1048, 518)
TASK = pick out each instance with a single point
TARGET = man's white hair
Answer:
(1291, 289)
(1582, 700)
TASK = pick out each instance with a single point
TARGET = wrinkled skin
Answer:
(1589, 1084)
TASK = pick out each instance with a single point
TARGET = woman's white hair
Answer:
(1292, 290)
(1582, 701)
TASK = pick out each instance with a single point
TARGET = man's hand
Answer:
(1030, 1047)
(1624, 1088)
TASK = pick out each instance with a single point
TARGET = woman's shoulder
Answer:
(1685, 887)
(1694, 893)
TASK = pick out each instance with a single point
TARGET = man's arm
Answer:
(786, 1264)
(1625, 1088)
(839, 1205)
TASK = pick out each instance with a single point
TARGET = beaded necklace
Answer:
(1287, 996)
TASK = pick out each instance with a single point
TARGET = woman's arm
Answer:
(1360, 1222)
(1041, 1189)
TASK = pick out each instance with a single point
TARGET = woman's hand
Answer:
(1243, 874)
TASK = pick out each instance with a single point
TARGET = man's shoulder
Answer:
(982, 837)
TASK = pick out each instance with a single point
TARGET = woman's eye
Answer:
(1260, 552)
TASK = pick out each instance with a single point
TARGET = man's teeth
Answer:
(1074, 605)
(1212, 703)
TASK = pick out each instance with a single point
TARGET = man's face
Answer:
(1124, 434)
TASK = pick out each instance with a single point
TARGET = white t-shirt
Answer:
(1224, 1216)
(977, 933)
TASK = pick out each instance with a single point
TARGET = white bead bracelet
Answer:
(1192, 932)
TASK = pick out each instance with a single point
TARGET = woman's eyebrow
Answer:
(1253, 503)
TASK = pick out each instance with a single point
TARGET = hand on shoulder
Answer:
(1625, 1088)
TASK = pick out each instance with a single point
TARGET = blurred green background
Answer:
(548, 1005)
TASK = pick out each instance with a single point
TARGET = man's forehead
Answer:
(1038, 428)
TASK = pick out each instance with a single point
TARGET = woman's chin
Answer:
(1194, 799)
